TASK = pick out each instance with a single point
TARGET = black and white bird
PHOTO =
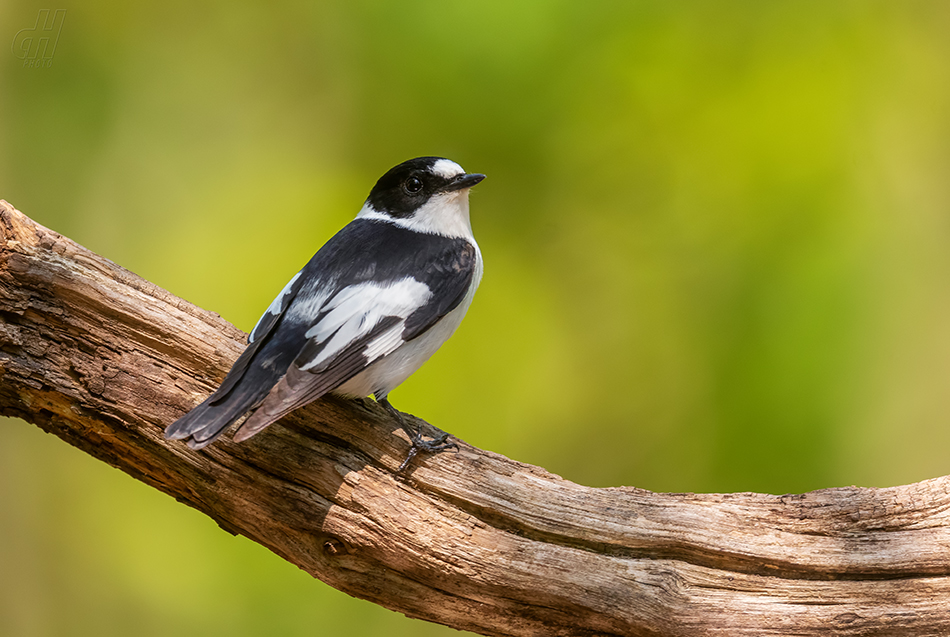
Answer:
(371, 306)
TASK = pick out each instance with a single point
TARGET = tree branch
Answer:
(105, 360)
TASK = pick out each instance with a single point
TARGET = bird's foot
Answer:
(428, 446)
(415, 437)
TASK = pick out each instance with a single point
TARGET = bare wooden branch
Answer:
(105, 360)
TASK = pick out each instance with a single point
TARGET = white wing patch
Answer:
(354, 311)
(386, 343)
(275, 306)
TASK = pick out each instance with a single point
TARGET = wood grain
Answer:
(105, 360)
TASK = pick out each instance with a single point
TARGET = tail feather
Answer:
(206, 436)
(242, 390)
(206, 422)
(184, 426)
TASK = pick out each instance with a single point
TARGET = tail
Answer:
(243, 389)
(205, 423)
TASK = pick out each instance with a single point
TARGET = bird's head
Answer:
(427, 194)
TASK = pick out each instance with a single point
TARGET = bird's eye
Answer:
(413, 185)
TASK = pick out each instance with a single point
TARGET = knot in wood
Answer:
(334, 547)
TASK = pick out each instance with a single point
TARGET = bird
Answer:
(366, 311)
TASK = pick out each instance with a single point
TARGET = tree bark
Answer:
(105, 360)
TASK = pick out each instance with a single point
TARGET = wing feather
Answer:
(299, 387)
(450, 276)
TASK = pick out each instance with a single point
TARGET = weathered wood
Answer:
(105, 360)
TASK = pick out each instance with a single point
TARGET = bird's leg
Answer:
(415, 437)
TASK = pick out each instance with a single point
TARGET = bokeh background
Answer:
(717, 239)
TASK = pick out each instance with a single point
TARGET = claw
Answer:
(417, 441)
(429, 446)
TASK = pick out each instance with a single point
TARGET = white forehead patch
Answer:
(447, 168)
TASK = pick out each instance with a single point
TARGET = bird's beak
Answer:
(463, 181)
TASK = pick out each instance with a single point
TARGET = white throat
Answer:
(444, 214)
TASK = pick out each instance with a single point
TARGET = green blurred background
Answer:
(717, 245)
